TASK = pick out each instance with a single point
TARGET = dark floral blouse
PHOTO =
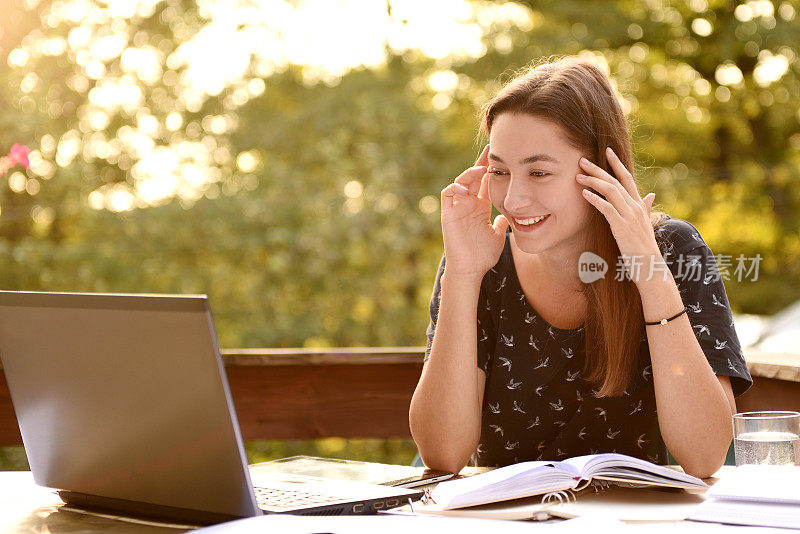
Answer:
(536, 405)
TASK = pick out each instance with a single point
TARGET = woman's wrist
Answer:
(660, 299)
(462, 280)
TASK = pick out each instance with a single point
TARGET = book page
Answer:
(578, 464)
(512, 481)
(621, 466)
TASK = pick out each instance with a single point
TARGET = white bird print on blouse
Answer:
(540, 389)
(696, 237)
(510, 446)
(502, 285)
(560, 424)
(709, 277)
(579, 397)
(495, 408)
(521, 295)
(716, 302)
(529, 318)
(543, 362)
(557, 406)
(637, 408)
(571, 377)
(506, 363)
(641, 441)
(646, 371)
(518, 407)
(513, 385)
(532, 343)
(508, 340)
(497, 428)
(483, 333)
(731, 367)
(702, 328)
(503, 313)
(611, 434)
(479, 449)
(601, 413)
(582, 433)
(541, 446)
(720, 344)
(696, 308)
(559, 452)
(567, 352)
(534, 422)
(550, 331)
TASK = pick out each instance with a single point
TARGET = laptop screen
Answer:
(125, 397)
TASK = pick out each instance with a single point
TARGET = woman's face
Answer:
(532, 172)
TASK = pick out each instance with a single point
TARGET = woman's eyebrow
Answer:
(529, 159)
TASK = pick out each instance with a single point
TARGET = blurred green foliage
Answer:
(307, 208)
(392, 451)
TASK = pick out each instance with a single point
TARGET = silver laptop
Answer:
(123, 405)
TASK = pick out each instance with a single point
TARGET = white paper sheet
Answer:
(368, 524)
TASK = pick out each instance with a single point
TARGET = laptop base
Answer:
(170, 514)
(140, 510)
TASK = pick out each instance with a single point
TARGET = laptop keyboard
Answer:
(283, 499)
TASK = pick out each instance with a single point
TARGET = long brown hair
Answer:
(578, 96)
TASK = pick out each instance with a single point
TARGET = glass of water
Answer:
(767, 438)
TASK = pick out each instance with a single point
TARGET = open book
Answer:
(536, 478)
(615, 502)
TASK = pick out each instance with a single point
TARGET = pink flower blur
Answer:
(19, 155)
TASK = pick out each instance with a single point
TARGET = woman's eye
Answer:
(536, 174)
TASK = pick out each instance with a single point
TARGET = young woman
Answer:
(534, 350)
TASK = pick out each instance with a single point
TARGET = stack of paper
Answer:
(759, 495)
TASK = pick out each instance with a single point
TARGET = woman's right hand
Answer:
(472, 244)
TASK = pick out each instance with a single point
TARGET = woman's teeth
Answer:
(533, 220)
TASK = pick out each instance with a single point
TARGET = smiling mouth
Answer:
(531, 221)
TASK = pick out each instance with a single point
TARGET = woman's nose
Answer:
(516, 196)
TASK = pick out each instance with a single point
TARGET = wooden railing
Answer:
(365, 392)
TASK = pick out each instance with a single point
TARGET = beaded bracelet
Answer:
(665, 321)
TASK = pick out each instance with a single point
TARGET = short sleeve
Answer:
(696, 273)
(485, 329)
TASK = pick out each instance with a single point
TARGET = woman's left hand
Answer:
(627, 213)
